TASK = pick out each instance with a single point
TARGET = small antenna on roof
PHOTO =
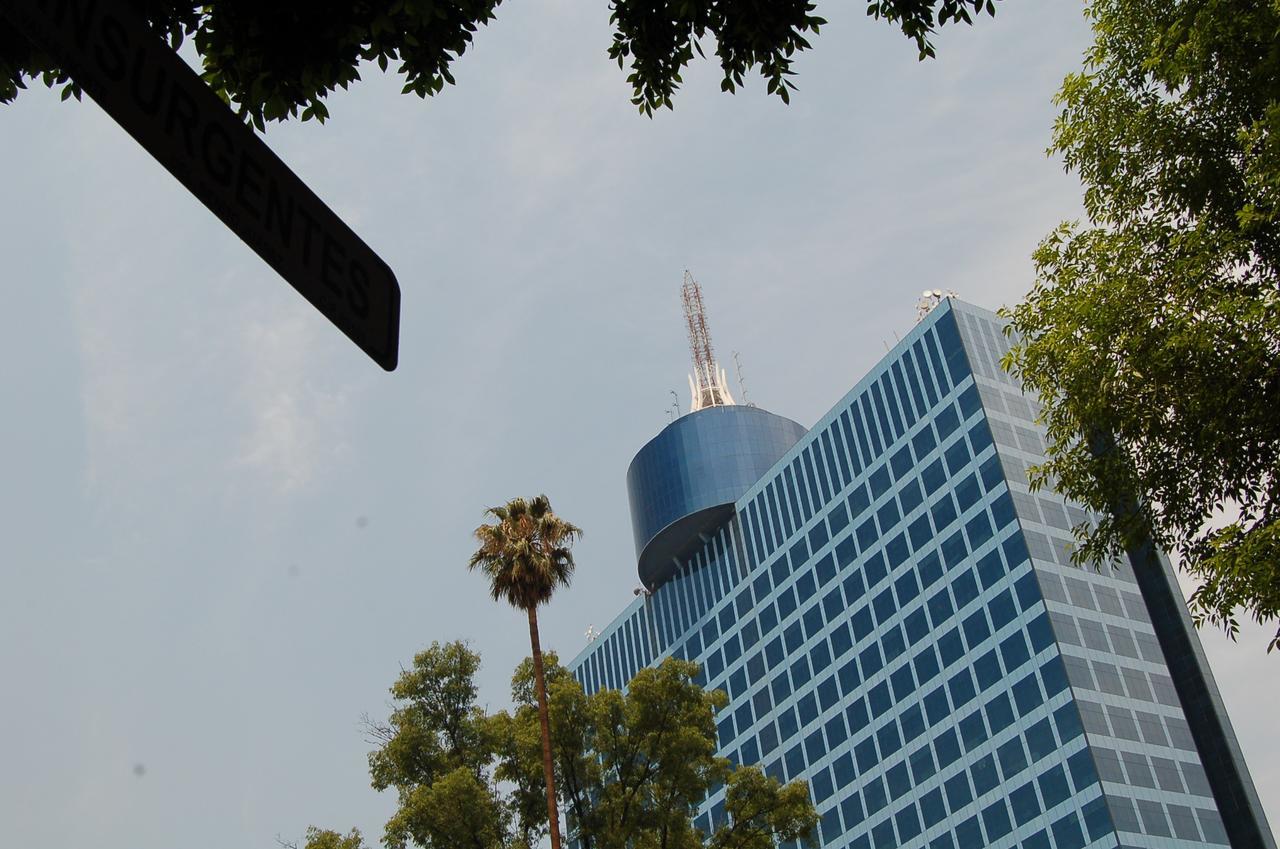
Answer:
(742, 383)
(929, 300)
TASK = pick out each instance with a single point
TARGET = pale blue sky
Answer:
(223, 529)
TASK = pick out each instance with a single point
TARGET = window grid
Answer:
(945, 564)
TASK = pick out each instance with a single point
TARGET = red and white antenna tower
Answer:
(707, 384)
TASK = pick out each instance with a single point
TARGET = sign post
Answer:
(147, 88)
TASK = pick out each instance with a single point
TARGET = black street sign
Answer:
(147, 88)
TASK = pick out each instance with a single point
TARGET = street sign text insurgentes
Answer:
(147, 88)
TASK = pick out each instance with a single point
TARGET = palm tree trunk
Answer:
(540, 684)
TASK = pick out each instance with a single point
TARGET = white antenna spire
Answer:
(708, 385)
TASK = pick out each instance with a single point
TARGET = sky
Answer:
(224, 530)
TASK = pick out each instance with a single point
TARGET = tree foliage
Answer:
(436, 726)
(631, 767)
(277, 60)
(325, 839)
(1153, 331)
(436, 750)
(526, 554)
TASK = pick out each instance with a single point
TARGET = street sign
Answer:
(147, 88)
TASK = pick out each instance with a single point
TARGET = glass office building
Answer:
(896, 620)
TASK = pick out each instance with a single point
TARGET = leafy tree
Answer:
(632, 767)
(1153, 332)
(433, 750)
(325, 839)
(526, 555)
(274, 60)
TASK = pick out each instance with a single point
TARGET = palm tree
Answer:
(525, 555)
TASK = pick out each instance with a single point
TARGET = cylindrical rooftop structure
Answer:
(685, 480)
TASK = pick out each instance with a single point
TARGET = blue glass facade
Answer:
(686, 479)
(894, 618)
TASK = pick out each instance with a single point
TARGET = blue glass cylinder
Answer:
(685, 480)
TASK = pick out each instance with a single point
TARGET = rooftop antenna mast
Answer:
(707, 384)
(742, 383)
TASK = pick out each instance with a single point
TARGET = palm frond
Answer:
(525, 552)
